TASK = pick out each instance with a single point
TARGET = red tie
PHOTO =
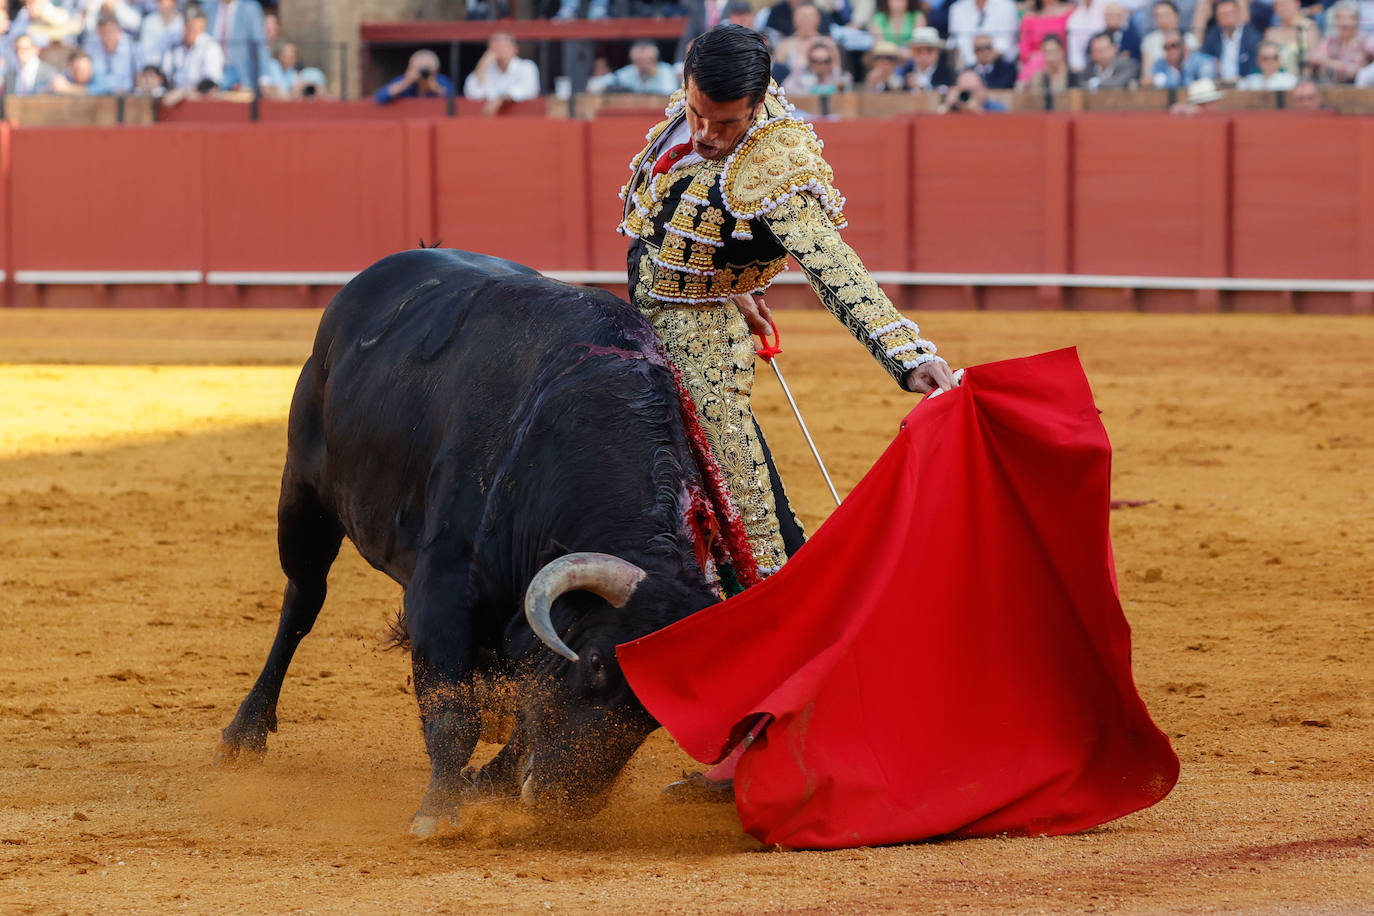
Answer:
(665, 162)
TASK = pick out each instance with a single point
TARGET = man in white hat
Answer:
(1202, 94)
(882, 72)
(928, 70)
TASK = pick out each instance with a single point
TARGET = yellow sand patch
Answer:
(49, 408)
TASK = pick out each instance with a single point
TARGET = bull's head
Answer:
(585, 723)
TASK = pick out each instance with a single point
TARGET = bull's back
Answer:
(423, 360)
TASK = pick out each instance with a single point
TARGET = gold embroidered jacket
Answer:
(709, 230)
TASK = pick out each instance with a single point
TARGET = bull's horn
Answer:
(600, 573)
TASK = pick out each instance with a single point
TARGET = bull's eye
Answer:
(597, 662)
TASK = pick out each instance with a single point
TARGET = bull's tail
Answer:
(397, 635)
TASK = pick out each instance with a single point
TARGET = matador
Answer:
(731, 183)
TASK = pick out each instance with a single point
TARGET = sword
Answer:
(769, 353)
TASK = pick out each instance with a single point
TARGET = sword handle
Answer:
(767, 350)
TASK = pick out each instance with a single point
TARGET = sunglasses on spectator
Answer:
(981, 48)
(1268, 57)
(1171, 45)
(821, 61)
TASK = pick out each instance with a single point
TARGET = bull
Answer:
(494, 441)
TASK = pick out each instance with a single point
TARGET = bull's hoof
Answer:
(423, 826)
(696, 787)
(479, 786)
(230, 754)
(439, 805)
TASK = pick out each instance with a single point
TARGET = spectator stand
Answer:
(1016, 211)
(386, 45)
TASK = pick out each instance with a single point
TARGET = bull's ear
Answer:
(552, 551)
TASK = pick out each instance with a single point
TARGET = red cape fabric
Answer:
(947, 656)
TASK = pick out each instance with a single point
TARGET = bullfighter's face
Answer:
(717, 127)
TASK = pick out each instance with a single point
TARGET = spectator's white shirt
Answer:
(519, 82)
(27, 77)
(127, 16)
(1084, 22)
(1365, 78)
(186, 67)
(1228, 67)
(997, 18)
(923, 78)
(155, 38)
(1279, 82)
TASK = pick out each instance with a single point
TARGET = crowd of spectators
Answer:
(961, 48)
(172, 49)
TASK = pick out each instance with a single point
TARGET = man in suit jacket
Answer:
(996, 71)
(1107, 69)
(237, 26)
(29, 75)
(1123, 31)
(1233, 43)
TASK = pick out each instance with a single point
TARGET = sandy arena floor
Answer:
(139, 460)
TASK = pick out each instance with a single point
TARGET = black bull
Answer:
(483, 435)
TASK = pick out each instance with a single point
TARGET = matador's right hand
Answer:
(755, 312)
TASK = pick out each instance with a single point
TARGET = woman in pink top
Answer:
(1050, 18)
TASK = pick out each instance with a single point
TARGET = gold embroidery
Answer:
(775, 161)
(714, 351)
(842, 283)
(703, 256)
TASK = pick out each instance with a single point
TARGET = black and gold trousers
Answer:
(712, 347)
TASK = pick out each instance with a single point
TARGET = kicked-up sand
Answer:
(140, 454)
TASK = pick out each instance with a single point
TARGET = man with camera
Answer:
(422, 79)
(970, 95)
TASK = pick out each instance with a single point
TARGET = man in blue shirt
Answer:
(237, 26)
(113, 55)
(644, 73)
(422, 79)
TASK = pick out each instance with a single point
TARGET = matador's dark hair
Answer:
(730, 62)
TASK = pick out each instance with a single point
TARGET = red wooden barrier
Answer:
(352, 110)
(107, 199)
(6, 254)
(208, 111)
(1150, 195)
(305, 198)
(1297, 198)
(611, 144)
(515, 187)
(1091, 194)
(872, 162)
(990, 194)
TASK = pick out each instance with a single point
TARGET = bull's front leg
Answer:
(442, 653)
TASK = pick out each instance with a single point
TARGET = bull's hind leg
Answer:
(442, 658)
(308, 538)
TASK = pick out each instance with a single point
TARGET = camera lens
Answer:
(965, 95)
(426, 73)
